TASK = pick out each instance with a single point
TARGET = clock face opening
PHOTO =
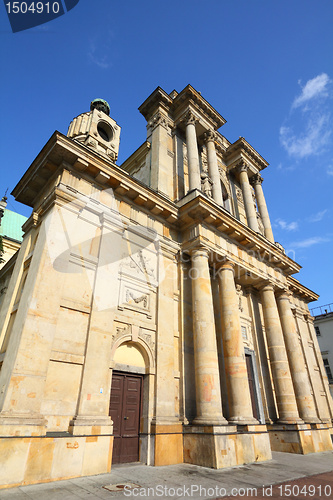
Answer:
(105, 131)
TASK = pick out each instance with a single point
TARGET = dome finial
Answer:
(101, 105)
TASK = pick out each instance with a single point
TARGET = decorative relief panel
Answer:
(239, 195)
(141, 265)
(129, 332)
(135, 299)
(148, 338)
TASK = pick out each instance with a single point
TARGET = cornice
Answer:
(61, 153)
(302, 291)
(242, 148)
(189, 94)
(156, 99)
(176, 105)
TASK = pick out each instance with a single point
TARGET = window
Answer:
(328, 370)
(244, 333)
(317, 331)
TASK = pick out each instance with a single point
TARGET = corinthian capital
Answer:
(256, 179)
(209, 136)
(190, 118)
(242, 167)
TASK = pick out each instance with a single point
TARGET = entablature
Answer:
(195, 208)
(63, 153)
(241, 151)
(301, 291)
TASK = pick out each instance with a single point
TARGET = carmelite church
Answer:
(148, 314)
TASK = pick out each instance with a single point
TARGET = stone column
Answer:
(247, 196)
(207, 379)
(299, 374)
(213, 168)
(192, 153)
(284, 391)
(256, 181)
(240, 406)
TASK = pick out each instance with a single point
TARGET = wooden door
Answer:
(125, 409)
(252, 386)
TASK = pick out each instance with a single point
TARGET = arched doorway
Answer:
(126, 401)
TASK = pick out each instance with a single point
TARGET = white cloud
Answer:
(291, 226)
(329, 170)
(312, 141)
(318, 216)
(314, 88)
(309, 242)
(101, 60)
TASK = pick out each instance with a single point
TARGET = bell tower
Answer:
(97, 130)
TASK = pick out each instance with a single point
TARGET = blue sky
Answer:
(266, 66)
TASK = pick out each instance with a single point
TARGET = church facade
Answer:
(148, 314)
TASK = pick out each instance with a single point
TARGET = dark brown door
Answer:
(125, 406)
(253, 394)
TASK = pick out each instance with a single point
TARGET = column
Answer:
(192, 153)
(240, 406)
(213, 168)
(284, 391)
(207, 379)
(299, 374)
(247, 196)
(256, 181)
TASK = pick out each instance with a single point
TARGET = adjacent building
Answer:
(10, 230)
(323, 323)
(149, 314)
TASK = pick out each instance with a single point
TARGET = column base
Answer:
(312, 420)
(224, 446)
(209, 421)
(167, 443)
(290, 420)
(300, 438)
(91, 426)
(22, 425)
(243, 421)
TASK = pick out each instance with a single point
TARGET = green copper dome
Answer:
(11, 225)
(101, 105)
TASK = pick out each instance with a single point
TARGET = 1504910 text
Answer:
(33, 7)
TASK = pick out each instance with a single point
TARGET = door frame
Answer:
(141, 377)
(257, 392)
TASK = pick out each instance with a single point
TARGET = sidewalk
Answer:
(190, 481)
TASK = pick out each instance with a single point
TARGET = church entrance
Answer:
(125, 411)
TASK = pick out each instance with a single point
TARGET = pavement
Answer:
(294, 476)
